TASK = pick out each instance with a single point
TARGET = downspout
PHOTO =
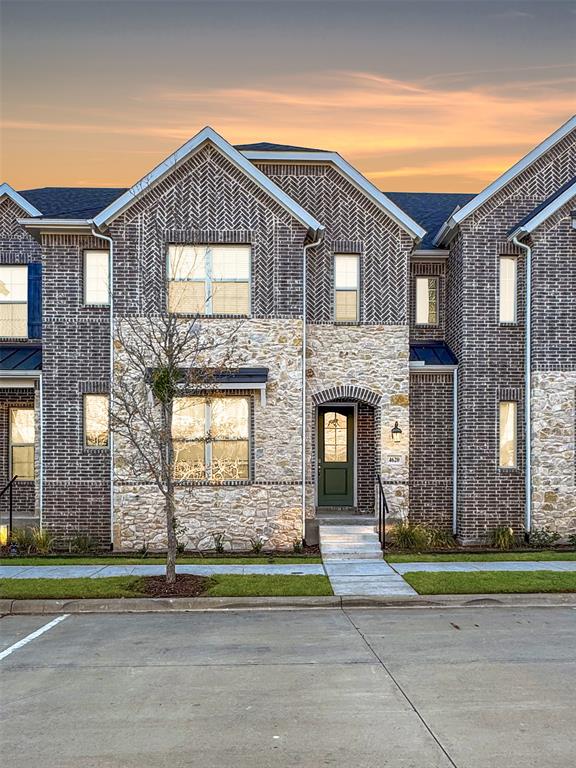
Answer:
(527, 386)
(111, 353)
(41, 449)
(319, 237)
(455, 451)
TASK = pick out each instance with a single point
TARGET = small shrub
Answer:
(23, 539)
(572, 540)
(43, 541)
(143, 550)
(543, 538)
(440, 538)
(180, 547)
(257, 544)
(410, 536)
(82, 543)
(219, 543)
(297, 547)
(502, 537)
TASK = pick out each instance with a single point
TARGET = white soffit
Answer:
(206, 135)
(7, 191)
(462, 213)
(355, 177)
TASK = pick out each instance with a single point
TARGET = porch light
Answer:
(396, 432)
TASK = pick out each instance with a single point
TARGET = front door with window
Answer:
(336, 456)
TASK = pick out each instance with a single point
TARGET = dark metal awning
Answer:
(20, 358)
(432, 354)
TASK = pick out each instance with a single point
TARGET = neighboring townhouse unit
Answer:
(383, 340)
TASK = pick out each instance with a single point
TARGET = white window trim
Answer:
(85, 431)
(207, 443)
(19, 303)
(436, 280)
(85, 302)
(340, 288)
(209, 280)
(12, 444)
(514, 259)
(501, 466)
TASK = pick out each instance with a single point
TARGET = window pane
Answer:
(426, 301)
(96, 420)
(507, 289)
(189, 418)
(187, 262)
(23, 461)
(335, 437)
(187, 297)
(346, 306)
(13, 284)
(22, 425)
(229, 417)
(230, 460)
(346, 271)
(189, 461)
(508, 434)
(230, 298)
(14, 320)
(96, 277)
(230, 262)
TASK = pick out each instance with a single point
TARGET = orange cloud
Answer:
(409, 132)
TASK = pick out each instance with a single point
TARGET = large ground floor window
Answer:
(210, 438)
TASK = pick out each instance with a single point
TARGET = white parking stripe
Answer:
(33, 635)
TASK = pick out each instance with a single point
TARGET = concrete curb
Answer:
(184, 604)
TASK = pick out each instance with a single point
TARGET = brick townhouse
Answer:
(426, 342)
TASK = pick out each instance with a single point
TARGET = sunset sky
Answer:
(420, 96)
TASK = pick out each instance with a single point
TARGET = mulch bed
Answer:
(186, 586)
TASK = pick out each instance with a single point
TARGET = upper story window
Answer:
(209, 279)
(96, 277)
(346, 286)
(14, 301)
(508, 434)
(426, 301)
(210, 438)
(96, 421)
(508, 289)
(22, 430)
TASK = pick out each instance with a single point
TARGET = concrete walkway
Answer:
(100, 572)
(353, 561)
(502, 565)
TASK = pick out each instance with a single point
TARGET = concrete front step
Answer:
(346, 520)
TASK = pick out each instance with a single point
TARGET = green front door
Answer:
(336, 456)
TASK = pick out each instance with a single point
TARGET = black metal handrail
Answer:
(8, 487)
(383, 513)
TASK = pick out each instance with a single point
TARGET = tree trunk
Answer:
(172, 544)
(170, 498)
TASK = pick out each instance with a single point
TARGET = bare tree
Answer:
(160, 359)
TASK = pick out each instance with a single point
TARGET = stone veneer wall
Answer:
(268, 505)
(553, 451)
(374, 358)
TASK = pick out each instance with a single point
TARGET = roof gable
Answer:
(206, 135)
(546, 209)
(7, 191)
(462, 213)
(352, 175)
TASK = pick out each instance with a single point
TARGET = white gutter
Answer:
(527, 385)
(111, 352)
(318, 240)
(455, 451)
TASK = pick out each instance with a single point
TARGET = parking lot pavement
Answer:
(419, 688)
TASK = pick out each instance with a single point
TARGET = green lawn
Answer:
(491, 582)
(184, 560)
(488, 557)
(132, 586)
